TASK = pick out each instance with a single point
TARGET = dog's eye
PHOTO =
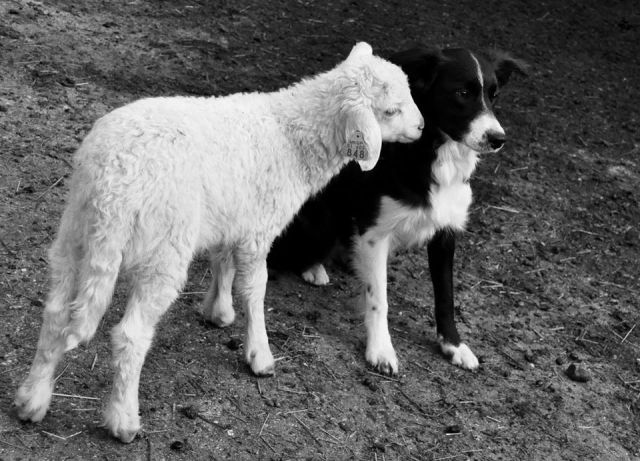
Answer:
(493, 93)
(464, 94)
(392, 112)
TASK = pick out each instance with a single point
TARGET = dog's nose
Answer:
(496, 140)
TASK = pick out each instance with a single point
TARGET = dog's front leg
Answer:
(370, 262)
(441, 250)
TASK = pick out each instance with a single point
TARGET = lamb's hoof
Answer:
(33, 399)
(460, 356)
(220, 318)
(223, 320)
(261, 362)
(384, 360)
(123, 425)
(316, 275)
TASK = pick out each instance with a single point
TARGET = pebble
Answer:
(453, 429)
(560, 360)
(370, 383)
(191, 411)
(380, 446)
(234, 344)
(574, 356)
(530, 357)
(178, 445)
(578, 373)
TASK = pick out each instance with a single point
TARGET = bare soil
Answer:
(546, 276)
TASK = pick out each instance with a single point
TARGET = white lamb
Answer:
(160, 179)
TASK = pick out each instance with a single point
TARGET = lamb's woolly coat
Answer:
(162, 178)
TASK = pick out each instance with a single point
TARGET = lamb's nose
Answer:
(496, 140)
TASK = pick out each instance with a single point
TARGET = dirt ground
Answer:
(546, 276)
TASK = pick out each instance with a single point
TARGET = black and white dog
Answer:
(418, 193)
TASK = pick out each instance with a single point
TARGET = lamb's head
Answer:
(378, 106)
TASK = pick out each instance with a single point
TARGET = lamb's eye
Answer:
(493, 93)
(392, 112)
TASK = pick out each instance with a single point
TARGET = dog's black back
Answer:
(350, 202)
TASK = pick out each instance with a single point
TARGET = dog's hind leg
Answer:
(370, 262)
(217, 307)
(316, 275)
(441, 250)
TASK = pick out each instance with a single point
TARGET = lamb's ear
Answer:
(360, 50)
(363, 137)
(420, 64)
(505, 65)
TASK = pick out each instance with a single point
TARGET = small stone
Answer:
(380, 446)
(234, 344)
(453, 429)
(177, 445)
(370, 383)
(344, 426)
(530, 357)
(578, 373)
(574, 356)
(191, 411)
(560, 360)
(37, 302)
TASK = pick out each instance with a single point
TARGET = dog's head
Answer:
(378, 105)
(455, 90)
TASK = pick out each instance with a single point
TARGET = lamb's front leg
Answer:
(251, 283)
(217, 307)
(370, 261)
(441, 250)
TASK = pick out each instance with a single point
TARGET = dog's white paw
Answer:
(460, 355)
(261, 360)
(316, 275)
(122, 422)
(33, 399)
(383, 358)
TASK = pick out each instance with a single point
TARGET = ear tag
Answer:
(355, 147)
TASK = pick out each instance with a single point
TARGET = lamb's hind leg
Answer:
(217, 307)
(65, 322)
(153, 292)
(251, 285)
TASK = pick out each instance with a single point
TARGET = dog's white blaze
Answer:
(481, 80)
(450, 197)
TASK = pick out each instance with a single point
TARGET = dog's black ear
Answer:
(505, 65)
(420, 64)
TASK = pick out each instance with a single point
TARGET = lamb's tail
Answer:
(84, 267)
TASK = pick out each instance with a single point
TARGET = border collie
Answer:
(418, 193)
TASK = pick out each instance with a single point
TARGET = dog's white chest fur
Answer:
(449, 199)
